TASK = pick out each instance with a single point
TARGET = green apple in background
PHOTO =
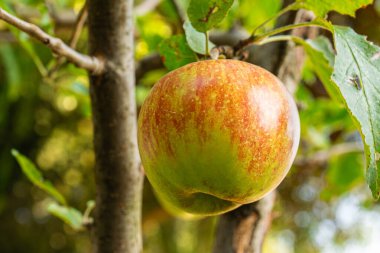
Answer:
(217, 134)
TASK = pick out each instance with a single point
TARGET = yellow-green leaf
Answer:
(322, 7)
(35, 176)
(69, 215)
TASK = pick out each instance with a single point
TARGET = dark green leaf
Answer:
(321, 8)
(69, 215)
(175, 52)
(35, 176)
(204, 15)
(357, 75)
(196, 40)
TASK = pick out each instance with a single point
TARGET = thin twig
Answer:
(286, 28)
(257, 39)
(278, 14)
(323, 156)
(279, 38)
(81, 20)
(90, 63)
(79, 24)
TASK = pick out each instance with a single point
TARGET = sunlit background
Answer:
(323, 205)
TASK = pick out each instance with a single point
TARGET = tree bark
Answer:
(117, 226)
(243, 230)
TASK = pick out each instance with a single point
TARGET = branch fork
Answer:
(93, 64)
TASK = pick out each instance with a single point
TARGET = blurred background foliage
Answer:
(323, 205)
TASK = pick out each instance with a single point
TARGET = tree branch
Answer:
(79, 24)
(323, 156)
(239, 231)
(118, 173)
(90, 63)
(148, 63)
(243, 230)
(289, 71)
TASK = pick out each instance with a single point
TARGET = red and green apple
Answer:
(217, 134)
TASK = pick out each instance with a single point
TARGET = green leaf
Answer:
(323, 45)
(344, 172)
(204, 15)
(357, 75)
(322, 7)
(35, 176)
(175, 52)
(69, 215)
(322, 59)
(196, 40)
(253, 17)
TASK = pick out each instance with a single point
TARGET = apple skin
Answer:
(217, 134)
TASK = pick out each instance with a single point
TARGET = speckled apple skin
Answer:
(216, 134)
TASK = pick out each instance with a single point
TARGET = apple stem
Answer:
(206, 36)
(214, 53)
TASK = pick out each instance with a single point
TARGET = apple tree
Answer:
(133, 46)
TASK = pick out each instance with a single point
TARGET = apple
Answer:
(217, 134)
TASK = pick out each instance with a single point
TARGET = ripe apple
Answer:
(217, 134)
